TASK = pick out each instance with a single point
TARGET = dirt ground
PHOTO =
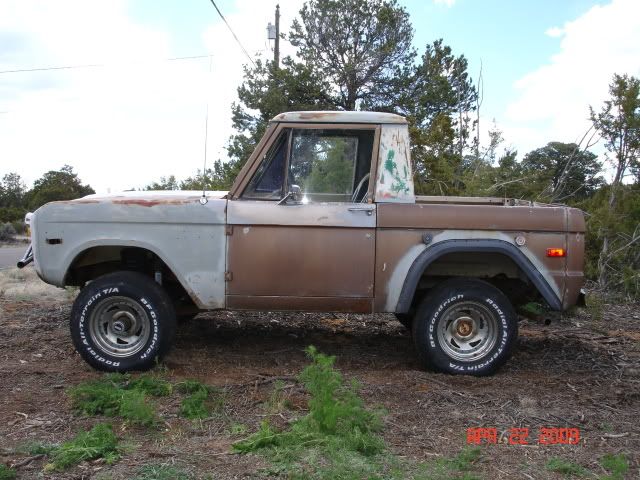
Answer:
(577, 372)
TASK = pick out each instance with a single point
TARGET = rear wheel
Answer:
(122, 321)
(465, 326)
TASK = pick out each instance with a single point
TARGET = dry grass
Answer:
(24, 285)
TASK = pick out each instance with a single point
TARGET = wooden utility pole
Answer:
(276, 48)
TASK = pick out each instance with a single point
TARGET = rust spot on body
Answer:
(151, 203)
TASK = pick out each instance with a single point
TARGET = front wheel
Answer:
(465, 326)
(122, 321)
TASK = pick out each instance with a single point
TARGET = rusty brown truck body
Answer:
(323, 217)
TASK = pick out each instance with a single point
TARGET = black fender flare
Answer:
(422, 262)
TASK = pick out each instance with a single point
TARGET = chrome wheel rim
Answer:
(119, 326)
(468, 331)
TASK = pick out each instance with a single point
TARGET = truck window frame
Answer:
(272, 135)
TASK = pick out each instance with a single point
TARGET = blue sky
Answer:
(543, 61)
(507, 36)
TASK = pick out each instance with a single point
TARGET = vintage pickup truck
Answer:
(323, 217)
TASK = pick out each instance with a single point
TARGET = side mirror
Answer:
(294, 194)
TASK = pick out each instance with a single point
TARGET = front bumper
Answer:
(27, 258)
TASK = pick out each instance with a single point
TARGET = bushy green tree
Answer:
(56, 185)
(619, 124)
(330, 166)
(220, 177)
(560, 172)
(265, 92)
(359, 46)
(12, 190)
(165, 183)
(620, 228)
(437, 95)
(12, 198)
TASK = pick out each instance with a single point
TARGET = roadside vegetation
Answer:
(24, 285)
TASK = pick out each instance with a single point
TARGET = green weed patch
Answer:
(36, 448)
(99, 442)
(337, 417)
(566, 467)
(458, 467)
(339, 438)
(162, 472)
(617, 465)
(120, 395)
(7, 473)
(201, 401)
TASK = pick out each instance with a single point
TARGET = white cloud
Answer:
(554, 32)
(135, 119)
(448, 3)
(553, 101)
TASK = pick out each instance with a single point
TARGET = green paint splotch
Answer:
(398, 183)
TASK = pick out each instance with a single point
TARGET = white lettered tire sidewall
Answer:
(149, 296)
(430, 315)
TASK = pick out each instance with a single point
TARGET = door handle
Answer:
(368, 210)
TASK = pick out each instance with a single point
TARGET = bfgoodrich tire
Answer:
(465, 326)
(122, 321)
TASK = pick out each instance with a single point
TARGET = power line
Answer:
(234, 35)
(91, 65)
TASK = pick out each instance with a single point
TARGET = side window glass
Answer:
(268, 180)
(330, 165)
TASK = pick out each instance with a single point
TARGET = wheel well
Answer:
(97, 261)
(495, 268)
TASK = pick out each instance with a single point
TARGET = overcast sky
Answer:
(138, 116)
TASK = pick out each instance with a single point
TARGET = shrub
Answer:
(336, 414)
(7, 232)
(19, 226)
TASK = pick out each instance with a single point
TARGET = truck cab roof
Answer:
(339, 117)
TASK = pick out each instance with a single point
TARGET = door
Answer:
(313, 250)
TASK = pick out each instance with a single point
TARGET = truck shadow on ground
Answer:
(262, 340)
(377, 342)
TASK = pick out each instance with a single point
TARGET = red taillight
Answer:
(556, 252)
